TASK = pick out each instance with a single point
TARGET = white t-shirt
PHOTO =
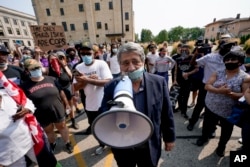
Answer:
(151, 61)
(15, 140)
(94, 94)
(114, 65)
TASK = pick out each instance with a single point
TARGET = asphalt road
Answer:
(185, 153)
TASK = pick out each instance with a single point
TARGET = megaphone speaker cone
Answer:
(122, 128)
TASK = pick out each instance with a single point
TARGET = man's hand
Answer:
(169, 146)
(21, 112)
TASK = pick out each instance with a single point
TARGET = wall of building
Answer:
(14, 28)
(111, 17)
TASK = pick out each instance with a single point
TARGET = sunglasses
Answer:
(87, 53)
(33, 69)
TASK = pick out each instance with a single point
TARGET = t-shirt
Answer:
(94, 94)
(15, 74)
(151, 61)
(44, 94)
(164, 64)
(114, 65)
(63, 79)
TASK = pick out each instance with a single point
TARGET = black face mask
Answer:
(231, 66)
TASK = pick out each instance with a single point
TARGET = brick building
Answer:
(97, 21)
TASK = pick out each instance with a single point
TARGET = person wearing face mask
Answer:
(150, 97)
(112, 61)
(210, 63)
(92, 75)
(13, 73)
(183, 70)
(48, 98)
(163, 63)
(224, 88)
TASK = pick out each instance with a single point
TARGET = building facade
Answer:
(95, 21)
(236, 27)
(14, 28)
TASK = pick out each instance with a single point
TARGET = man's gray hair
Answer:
(131, 47)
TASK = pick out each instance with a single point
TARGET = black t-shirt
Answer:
(45, 94)
(15, 74)
(64, 79)
(183, 65)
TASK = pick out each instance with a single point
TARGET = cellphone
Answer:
(76, 73)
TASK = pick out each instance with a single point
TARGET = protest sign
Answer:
(49, 37)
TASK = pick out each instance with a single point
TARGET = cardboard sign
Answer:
(49, 37)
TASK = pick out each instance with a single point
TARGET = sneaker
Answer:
(99, 150)
(87, 132)
(220, 151)
(190, 127)
(201, 141)
(240, 140)
(185, 115)
(53, 147)
(75, 126)
(69, 148)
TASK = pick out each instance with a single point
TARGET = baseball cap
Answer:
(4, 50)
(31, 64)
(87, 45)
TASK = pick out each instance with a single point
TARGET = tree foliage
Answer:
(175, 34)
(161, 37)
(146, 35)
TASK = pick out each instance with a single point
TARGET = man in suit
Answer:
(150, 97)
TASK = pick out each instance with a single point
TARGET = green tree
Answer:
(176, 34)
(146, 35)
(161, 37)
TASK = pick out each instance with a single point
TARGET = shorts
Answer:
(68, 92)
(195, 84)
(45, 118)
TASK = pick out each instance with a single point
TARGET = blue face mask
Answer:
(137, 74)
(36, 73)
(87, 59)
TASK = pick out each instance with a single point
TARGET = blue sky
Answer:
(157, 15)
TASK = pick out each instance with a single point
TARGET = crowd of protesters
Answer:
(56, 80)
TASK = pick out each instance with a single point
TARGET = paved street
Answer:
(185, 154)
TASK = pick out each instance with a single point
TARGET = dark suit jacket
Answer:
(158, 109)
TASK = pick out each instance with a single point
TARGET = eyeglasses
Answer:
(87, 53)
(36, 68)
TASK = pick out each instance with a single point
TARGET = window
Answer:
(110, 5)
(9, 30)
(72, 27)
(126, 16)
(106, 26)
(85, 26)
(6, 20)
(53, 23)
(212, 28)
(80, 6)
(29, 43)
(61, 11)
(64, 24)
(99, 25)
(1, 32)
(25, 32)
(48, 12)
(45, 24)
(126, 27)
(97, 6)
(22, 23)
(61, 1)
(18, 31)
(15, 21)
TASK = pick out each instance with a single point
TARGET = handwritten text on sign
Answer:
(49, 37)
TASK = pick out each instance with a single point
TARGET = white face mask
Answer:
(114, 50)
(36, 73)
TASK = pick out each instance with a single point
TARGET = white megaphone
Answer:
(122, 126)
